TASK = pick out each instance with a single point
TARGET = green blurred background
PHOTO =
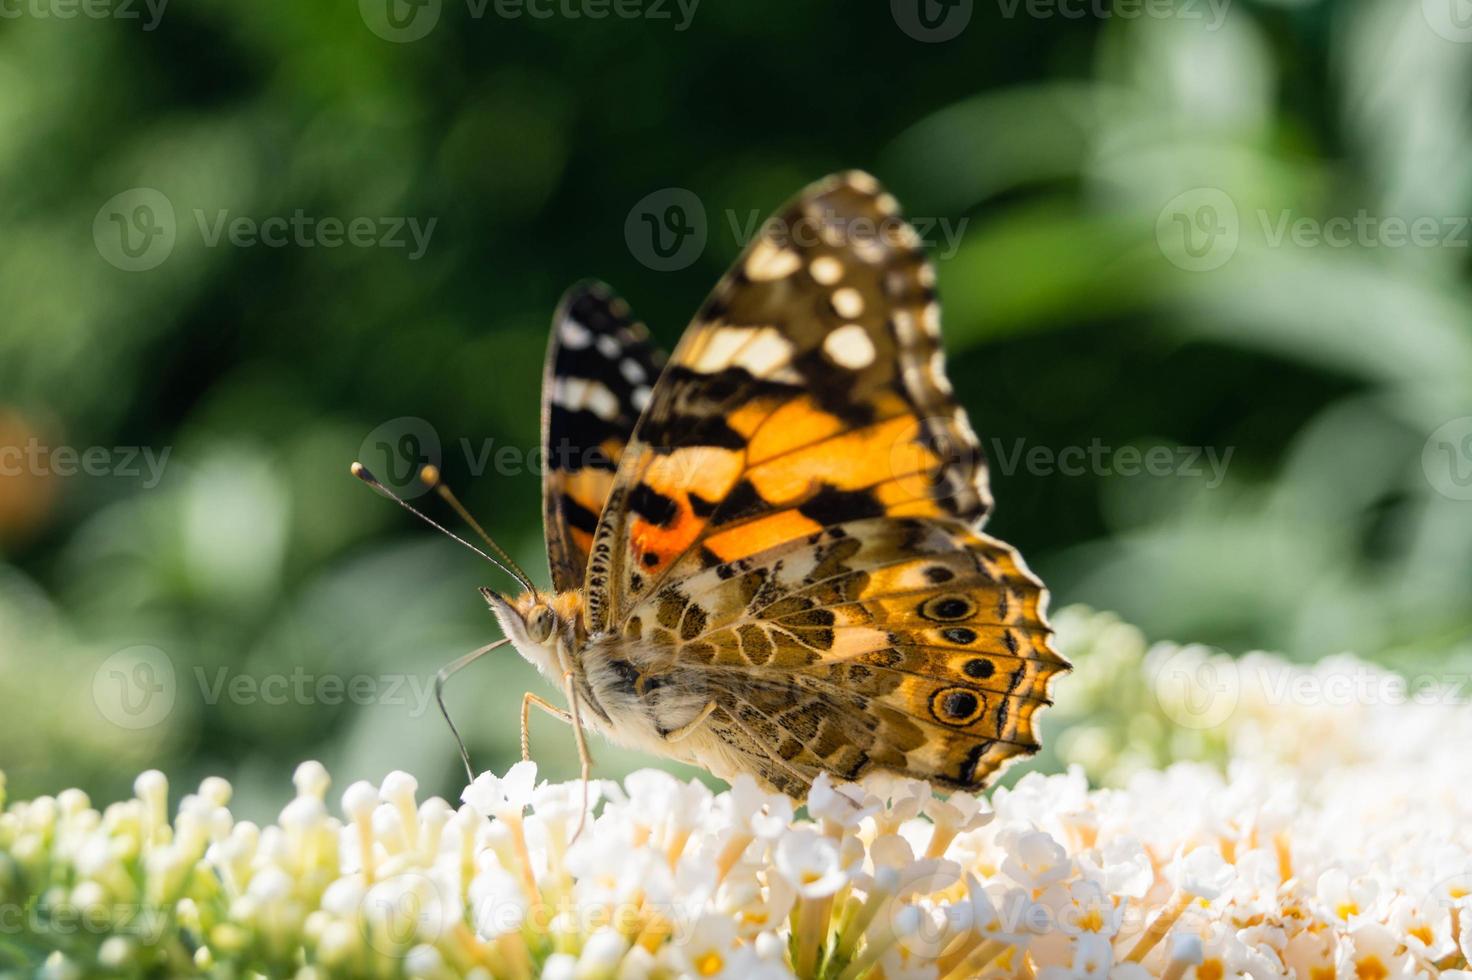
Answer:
(1118, 176)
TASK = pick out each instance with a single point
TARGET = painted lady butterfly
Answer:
(765, 553)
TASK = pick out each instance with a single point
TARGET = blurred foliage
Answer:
(1323, 370)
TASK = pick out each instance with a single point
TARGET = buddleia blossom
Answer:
(1358, 865)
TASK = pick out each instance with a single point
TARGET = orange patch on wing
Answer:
(761, 534)
(798, 423)
(862, 458)
(708, 471)
(662, 543)
(749, 417)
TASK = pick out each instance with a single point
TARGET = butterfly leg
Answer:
(686, 729)
(585, 761)
(439, 696)
(527, 700)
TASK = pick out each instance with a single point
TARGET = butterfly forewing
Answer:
(809, 390)
(601, 368)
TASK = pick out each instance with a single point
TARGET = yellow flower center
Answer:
(1345, 909)
(1210, 969)
(709, 964)
(1423, 933)
(1370, 968)
(1322, 973)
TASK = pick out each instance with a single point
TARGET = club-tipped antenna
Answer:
(361, 472)
(430, 477)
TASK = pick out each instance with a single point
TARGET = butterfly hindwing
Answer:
(910, 644)
(601, 368)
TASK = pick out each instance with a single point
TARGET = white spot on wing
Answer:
(766, 353)
(632, 371)
(848, 303)
(580, 393)
(768, 262)
(608, 347)
(574, 335)
(938, 372)
(849, 347)
(826, 270)
(930, 319)
(760, 350)
(640, 398)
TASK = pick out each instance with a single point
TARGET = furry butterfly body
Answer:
(766, 552)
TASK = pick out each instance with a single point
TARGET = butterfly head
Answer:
(535, 626)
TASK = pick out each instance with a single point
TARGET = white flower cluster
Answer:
(1347, 856)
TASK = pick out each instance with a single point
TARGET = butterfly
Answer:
(765, 550)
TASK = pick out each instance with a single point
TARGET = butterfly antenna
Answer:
(439, 697)
(361, 472)
(430, 477)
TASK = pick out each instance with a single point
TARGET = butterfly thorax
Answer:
(635, 693)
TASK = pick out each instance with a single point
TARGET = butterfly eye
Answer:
(540, 623)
